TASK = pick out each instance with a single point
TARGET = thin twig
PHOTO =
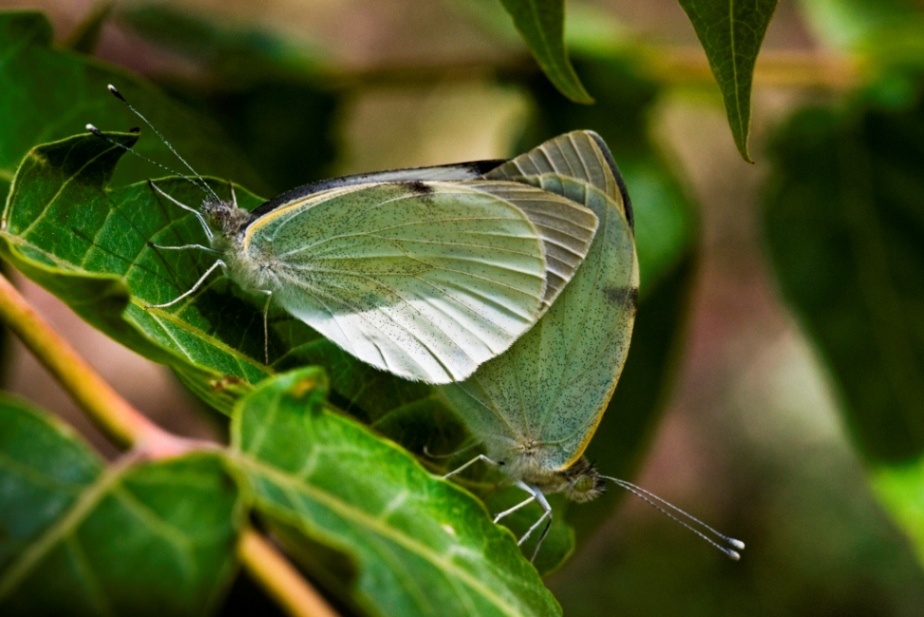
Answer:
(279, 578)
(112, 414)
(668, 66)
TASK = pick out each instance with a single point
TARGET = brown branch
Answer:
(279, 579)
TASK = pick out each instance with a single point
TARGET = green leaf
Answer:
(137, 539)
(44, 468)
(89, 246)
(731, 33)
(542, 25)
(899, 487)
(844, 223)
(418, 545)
(51, 93)
(854, 24)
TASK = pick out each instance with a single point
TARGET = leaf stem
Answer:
(278, 578)
(129, 428)
(112, 414)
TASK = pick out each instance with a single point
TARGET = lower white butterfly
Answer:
(536, 407)
(426, 273)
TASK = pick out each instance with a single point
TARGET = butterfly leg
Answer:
(269, 297)
(534, 494)
(192, 290)
(159, 191)
(480, 457)
(545, 532)
(546, 514)
(201, 247)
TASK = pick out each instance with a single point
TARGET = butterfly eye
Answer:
(585, 487)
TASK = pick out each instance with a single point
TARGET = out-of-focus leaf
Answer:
(542, 25)
(137, 539)
(417, 544)
(731, 34)
(275, 99)
(85, 35)
(882, 37)
(665, 233)
(844, 223)
(50, 93)
(899, 487)
(854, 24)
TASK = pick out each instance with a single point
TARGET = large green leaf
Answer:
(136, 539)
(844, 223)
(542, 25)
(415, 544)
(51, 93)
(731, 32)
(89, 246)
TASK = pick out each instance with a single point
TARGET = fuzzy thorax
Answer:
(225, 217)
(252, 270)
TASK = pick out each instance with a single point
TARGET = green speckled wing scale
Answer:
(426, 280)
(553, 385)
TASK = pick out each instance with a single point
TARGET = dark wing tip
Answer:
(627, 202)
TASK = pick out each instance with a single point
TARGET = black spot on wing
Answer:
(454, 171)
(621, 296)
(417, 187)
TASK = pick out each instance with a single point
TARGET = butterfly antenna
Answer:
(201, 182)
(731, 545)
(92, 128)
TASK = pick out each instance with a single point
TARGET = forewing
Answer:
(424, 280)
(552, 386)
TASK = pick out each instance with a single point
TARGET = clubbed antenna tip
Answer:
(114, 91)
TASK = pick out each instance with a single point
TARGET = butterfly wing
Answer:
(424, 280)
(583, 156)
(566, 227)
(551, 388)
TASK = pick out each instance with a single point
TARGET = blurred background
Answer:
(727, 408)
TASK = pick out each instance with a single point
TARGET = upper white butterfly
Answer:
(426, 273)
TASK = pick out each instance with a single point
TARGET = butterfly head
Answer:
(225, 217)
(581, 481)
